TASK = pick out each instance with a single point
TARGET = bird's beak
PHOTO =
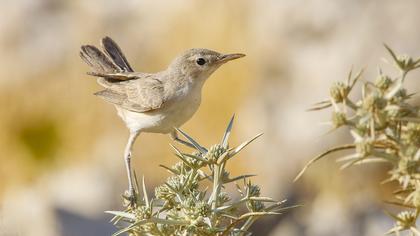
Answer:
(228, 57)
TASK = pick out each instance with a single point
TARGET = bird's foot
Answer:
(130, 197)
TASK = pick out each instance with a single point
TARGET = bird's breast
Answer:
(183, 107)
(175, 111)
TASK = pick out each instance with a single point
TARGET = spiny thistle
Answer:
(385, 127)
(183, 206)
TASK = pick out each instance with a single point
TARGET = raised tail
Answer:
(114, 52)
(97, 60)
(106, 64)
(110, 60)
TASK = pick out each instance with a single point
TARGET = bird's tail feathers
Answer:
(97, 60)
(112, 49)
(109, 61)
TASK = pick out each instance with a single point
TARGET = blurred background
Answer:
(61, 162)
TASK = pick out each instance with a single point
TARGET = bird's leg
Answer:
(174, 136)
(127, 159)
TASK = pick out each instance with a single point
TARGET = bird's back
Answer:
(134, 91)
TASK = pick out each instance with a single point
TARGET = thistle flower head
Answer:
(215, 152)
(412, 134)
(339, 91)
(406, 219)
(183, 206)
(164, 192)
(373, 101)
(364, 147)
(338, 119)
(142, 212)
(383, 82)
(385, 126)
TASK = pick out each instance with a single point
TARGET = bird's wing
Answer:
(117, 76)
(134, 91)
(139, 95)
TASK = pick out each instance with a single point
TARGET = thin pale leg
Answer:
(127, 159)
(174, 136)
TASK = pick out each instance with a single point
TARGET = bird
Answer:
(151, 102)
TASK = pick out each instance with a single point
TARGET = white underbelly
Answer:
(162, 120)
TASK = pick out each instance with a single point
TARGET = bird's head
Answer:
(199, 63)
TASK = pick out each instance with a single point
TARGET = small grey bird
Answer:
(152, 102)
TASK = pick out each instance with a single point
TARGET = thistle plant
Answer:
(385, 127)
(194, 199)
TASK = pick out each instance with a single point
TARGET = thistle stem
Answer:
(217, 169)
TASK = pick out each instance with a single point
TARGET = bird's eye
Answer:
(200, 61)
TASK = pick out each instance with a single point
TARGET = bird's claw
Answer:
(130, 197)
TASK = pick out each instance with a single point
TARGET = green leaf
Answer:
(335, 149)
(262, 199)
(193, 142)
(263, 213)
(243, 145)
(180, 155)
(356, 78)
(122, 214)
(392, 54)
(238, 178)
(317, 107)
(224, 157)
(227, 132)
(172, 171)
(168, 222)
(146, 198)
(195, 157)
(130, 227)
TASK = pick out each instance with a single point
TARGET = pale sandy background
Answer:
(61, 147)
